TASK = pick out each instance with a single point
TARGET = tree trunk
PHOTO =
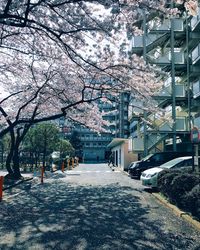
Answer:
(16, 165)
(18, 140)
(2, 154)
(44, 160)
(31, 160)
(10, 154)
(8, 162)
(36, 160)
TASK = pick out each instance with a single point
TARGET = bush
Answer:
(182, 189)
(191, 201)
(180, 185)
(164, 181)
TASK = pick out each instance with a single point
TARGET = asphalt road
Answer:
(90, 208)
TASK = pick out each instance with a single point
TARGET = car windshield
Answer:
(147, 157)
(133, 164)
(171, 163)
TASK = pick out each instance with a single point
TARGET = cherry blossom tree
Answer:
(88, 34)
(57, 57)
(42, 99)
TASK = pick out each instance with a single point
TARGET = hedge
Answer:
(180, 185)
(182, 189)
(192, 201)
(164, 181)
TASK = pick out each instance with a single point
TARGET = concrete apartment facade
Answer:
(174, 46)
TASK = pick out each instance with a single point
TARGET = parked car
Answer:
(153, 160)
(149, 177)
(131, 165)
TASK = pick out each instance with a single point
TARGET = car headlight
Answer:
(151, 175)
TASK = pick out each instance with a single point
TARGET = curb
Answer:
(126, 173)
(118, 169)
(177, 211)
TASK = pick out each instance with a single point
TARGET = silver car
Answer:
(149, 177)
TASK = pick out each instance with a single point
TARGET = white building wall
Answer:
(128, 156)
(124, 158)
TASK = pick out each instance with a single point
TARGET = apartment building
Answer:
(174, 46)
(121, 116)
(93, 146)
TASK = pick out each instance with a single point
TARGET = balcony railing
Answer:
(159, 135)
(196, 54)
(166, 25)
(160, 125)
(196, 89)
(181, 124)
(178, 24)
(195, 21)
(166, 59)
(138, 41)
(167, 91)
(138, 144)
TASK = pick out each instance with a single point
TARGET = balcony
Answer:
(195, 22)
(156, 136)
(181, 124)
(165, 60)
(196, 55)
(167, 91)
(164, 97)
(138, 145)
(155, 139)
(196, 89)
(166, 126)
(151, 41)
(166, 26)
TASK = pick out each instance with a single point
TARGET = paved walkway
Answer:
(90, 208)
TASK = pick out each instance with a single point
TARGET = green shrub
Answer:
(191, 201)
(182, 189)
(164, 181)
(180, 185)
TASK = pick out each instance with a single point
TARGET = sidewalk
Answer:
(12, 183)
(9, 183)
(175, 209)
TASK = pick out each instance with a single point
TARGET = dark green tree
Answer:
(40, 141)
(65, 148)
(76, 143)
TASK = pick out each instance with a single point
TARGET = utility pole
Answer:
(173, 83)
(145, 59)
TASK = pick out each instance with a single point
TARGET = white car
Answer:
(149, 177)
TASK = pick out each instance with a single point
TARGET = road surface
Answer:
(90, 208)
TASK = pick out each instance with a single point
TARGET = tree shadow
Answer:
(59, 215)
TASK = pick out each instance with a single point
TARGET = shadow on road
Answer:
(62, 216)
